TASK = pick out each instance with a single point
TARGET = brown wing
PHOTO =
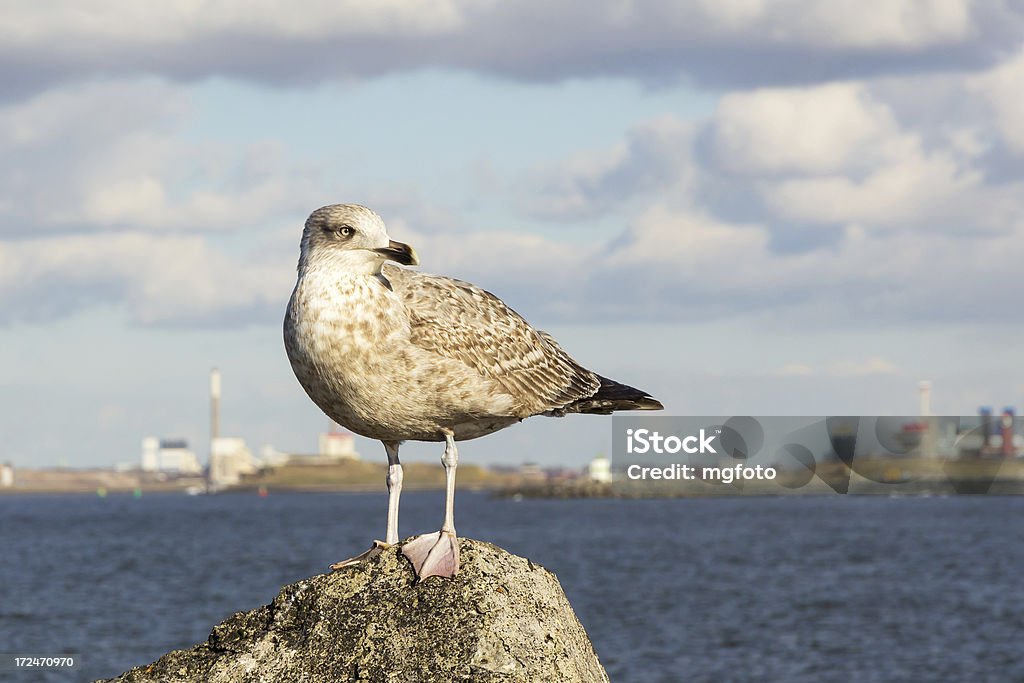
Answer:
(458, 320)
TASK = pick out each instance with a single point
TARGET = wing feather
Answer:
(458, 320)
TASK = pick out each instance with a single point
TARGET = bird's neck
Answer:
(340, 263)
(321, 275)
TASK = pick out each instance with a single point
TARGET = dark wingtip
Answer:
(612, 396)
(648, 403)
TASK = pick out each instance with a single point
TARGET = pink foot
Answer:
(377, 548)
(435, 554)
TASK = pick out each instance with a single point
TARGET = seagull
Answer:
(398, 355)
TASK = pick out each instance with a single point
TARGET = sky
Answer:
(796, 207)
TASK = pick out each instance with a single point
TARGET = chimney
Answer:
(986, 426)
(924, 396)
(1007, 425)
(214, 404)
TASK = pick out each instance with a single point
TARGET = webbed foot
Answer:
(375, 550)
(435, 554)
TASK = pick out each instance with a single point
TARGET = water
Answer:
(837, 588)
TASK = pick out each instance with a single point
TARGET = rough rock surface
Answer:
(502, 618)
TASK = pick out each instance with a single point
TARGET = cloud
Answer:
(107, 201)
(816, 130)
(1000, 86)
(722, 42)
(866, 278)
(56, 145)
(841, 154)
(158, 280)
(681, 264)
(928, 190)
(686, 243)
(837, 155)
(808, 161)
(794, 370)
(846, 203)
(111, 155)
(654, 155)
(873, 365)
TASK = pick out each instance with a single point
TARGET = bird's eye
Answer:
(343, 231)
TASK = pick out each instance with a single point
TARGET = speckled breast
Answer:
(348, 340)
(336, 334)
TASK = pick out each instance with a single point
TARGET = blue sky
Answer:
(797, 207)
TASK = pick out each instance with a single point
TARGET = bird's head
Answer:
(352, 237)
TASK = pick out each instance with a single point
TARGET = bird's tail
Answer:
(612, 396)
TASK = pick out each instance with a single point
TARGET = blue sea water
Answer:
(814, 589)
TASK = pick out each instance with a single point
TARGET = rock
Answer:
(502, 618)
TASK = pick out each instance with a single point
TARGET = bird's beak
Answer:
(399, 252)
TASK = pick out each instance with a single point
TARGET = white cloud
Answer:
(914, 225)
(795, 370)
(840, 154)
(836, 154)
(157, 279)
(110, 155)
(1001, 86)
(679, 264)
(827, 128)
(872, 365)
(892, 194)
(694, 246)
(269, 41)
(529, 271)
(702, 205)
(871, 23)
(848, 22)
(656, 154)
(179, 21)
(74, 116)
(921, 190)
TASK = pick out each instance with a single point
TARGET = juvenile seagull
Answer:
(398, 355)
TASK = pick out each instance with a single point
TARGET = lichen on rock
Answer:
(501, 618)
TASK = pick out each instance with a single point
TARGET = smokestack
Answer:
(986, 426)
(1007, 425)
(924, 396)
(214, 404)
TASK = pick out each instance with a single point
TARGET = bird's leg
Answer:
(450, 460)
(395, 478)
(437, 554)
(394, 481)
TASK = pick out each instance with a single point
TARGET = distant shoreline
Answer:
(870, 477)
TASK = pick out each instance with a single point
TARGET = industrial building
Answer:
(230, 460)
(337, 444)
(600, 470)
(993, 438)
(169, 456)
